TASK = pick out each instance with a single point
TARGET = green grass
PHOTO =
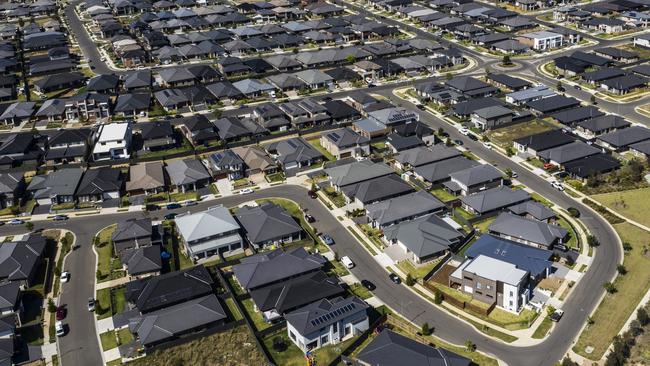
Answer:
(108, 265)
(505, 135)
(108, 340)
(543, 328)
(442, 194)
(180, 196)
(616, 308)
(336, 268)
(255, 316)
(275, 177)
(316, 144)
(535, 196)
(573, 236)
(334, 196)
(124, 336)
(484, 224)
(417, 271)
(363, 242)
(293, 356)
(358, 290)
(115, 362)
(230, 303)
(103, 306)
(633, 204)
(238, 290)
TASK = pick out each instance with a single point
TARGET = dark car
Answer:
(395, 278)
(61, 313)
(312, 194)
(458, 142)
(152, 207)
(172, 206)
(170, 216)
(310, 218)
(420, 106)
(557, 315)
(578, 87)
(369, 285)
(60, 218)
(327, 239)
(472, 137)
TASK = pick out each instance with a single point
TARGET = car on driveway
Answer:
(172, 206)
(246, 191)
(61, 313)
(91, 304)
(15, 222)
(368, 285)
(60, 218)
(327, 239)
(395, 278)
(557, 315)
(65, 277)
(60, 330)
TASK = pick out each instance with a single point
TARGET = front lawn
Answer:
(418, 271)
(358, 290)
(109, 266)
(334, 196)
(543, 328)
(616, 308)
(108, 340)
(483, 225)
(183, 196)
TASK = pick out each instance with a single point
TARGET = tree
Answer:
(592, 99)
(441, 131)
(425, 329)
(448, 142)
(51, 307)
(621, 269)
(469, 346)
(574, 212)
(410, 281)
(590, 320)
(508, 172)
(627, 246)
(550, 310)
(568, 362)
(449, 76)
(437, 297)
(510, 151)
(609, 287)
(279, 345)
(592, 241)
(29, 225)
(350, 58)
(642, 316)
(506, 60)
(313, 187)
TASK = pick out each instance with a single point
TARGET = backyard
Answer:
(215, 349)
(255, 316)
(615, 308)
(290, 355)
(633, 204)
(316, 144)
(109, 266)
(443, 194)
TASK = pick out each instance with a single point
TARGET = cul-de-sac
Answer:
(324, 182)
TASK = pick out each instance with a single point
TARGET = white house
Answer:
(114, 141)
(542, 40)
(327, 322)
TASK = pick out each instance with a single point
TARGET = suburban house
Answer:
(572, 151)
(10, 299)
(153, 293)
(419, 130)
(533, 144)
(19, 260)
(419, 156)
(295, 153)
(356, 172)
(58, 187)
(135, 233)
(375, 190)
(327, 322)
(494, 199)
(278, 266)
(208, 233)
(534, 210)
(344, 142)
(147, 178)
(619, 140)
(68, 146)
(187, 174)
(390, 348)
(113, 142)
(12, 186)
(100, 184)
(228, 164)
(403, 208)
(256, 160)
(528, 231)
(140, 262)
(492, 117)
(474, 179)
(156, 136)
(597, 126)
(268, 224)
(542, 40)
(424, 239)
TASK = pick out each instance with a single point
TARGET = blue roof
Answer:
(531, 259)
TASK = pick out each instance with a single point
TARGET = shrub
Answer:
(425, 329)
(609, 287)
(409, 280)
(574, 212)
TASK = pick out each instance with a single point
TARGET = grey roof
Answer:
(345, 137)
(51, 108)
(466, 83)
(572, 151)
(377, 189)
(142, 260)
(296, 292)
(323, 313)
(18, 259)
(552, 103)
(9, 181)
(626, 136)
(495, 198)
(401, 143)
(356, 172)
(313, 76)
(394, 349)
(215, 220)
(131, 229)
(441, 170)
(573, 115)
(135, 101)
(252, 86)
(403, 207)
(18, 110)
(534, 209)
(186, 171)
(425, 236)
(63, 182)
(531, 259)
(9, 294)
(527, 229)
(96, 181)
(149, 175)
(603, 123)
(177, 319)
(267, 221)
(476, 175)
(224, 159)
(265, 268)
(545, 140)
(295, 150)
(493, 112)
(392, 115)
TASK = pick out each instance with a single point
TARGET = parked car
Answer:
(309, 218)
(458, 142)
(152, 207)
(557, 185)
(548, 166)
(15, 222)
(464, 131)
(514, 175)
(61, 313)
(170, 216)
(312, 194)
(578, 87)
(172, 206)
(487, 145)
(395, 278)
(472, 137)
(327, 239)
(60, 218)
(246, 191)
(65, 277)
(347, 262)
(91, 304)
(368, 285)
(60, 330)
(557, 315)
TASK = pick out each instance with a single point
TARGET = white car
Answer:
(60, 331)
(487, 145)
(65, 277)
(15, 222)
(246, 191)
(102, 59)
(557, 185)
(347, 262)
(464, 131)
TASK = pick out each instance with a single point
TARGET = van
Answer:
(347, 262)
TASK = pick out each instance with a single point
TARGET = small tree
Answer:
(621, 269)
(51, 307)
(425, 329)
(448, 142)
(592, 99)
(336, 256)
(279, 344)
(592, 241)
(568, 362)
(29, 225)
(506, 60)
(642, 316)
(437, 297)
(609, 287)
(508, 172)
(574, 212)
(469, 346)
(350, 58)
(627, 246)
(510, 151)
(409, 280)
(590, 320)
(449, 76)
(550, 310)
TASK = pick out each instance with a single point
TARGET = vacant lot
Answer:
(504, 136)
(614, 310)
(633, 204)
(213, 350)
